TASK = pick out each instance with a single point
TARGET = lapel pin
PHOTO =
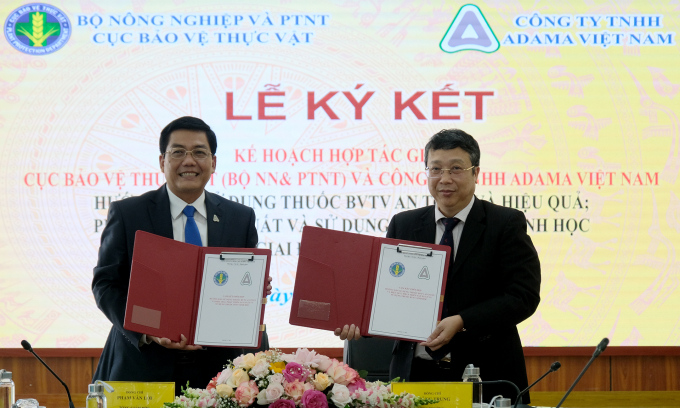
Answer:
(215, 218)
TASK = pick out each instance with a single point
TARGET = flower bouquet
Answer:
(302, 379)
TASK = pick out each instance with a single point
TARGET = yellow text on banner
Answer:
(449, 394)
(139, 394)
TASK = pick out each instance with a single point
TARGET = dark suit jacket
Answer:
(493, 285)
(122, 359)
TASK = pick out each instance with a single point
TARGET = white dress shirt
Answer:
(179, 220)
(457, 232)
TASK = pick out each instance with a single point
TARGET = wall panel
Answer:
(607, 373)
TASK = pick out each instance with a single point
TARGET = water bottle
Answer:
(95, 396)
(6, 389)
(471, 374)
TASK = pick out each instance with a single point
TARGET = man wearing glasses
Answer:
(493, 279)
(181, 209)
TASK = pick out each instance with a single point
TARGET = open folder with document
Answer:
(388, 287)
(214, 296)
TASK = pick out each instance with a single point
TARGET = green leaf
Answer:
(363, 374)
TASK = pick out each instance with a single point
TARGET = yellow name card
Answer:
(449, 394)
(139, 394)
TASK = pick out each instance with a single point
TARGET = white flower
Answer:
(323, 363)
(262, 398)
(340, 395)
(224, 376)
(374, 399)
(260, 368)
(273, 392)
(304, 357)
(276, 378)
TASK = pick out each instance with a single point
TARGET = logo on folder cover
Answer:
(220, 278)
(397, 269)
(247, 280)
(469, 31)
(37, 29)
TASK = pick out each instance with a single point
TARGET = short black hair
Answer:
(447, 139)
(187, 123)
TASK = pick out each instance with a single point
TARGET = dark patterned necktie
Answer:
(447, 239)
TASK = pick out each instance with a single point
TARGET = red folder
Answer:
(165, 284)
(336, 277)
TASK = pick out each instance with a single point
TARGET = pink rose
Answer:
(296, 389)
(282, 403)
(246, 393)
(338, 372)
(358, 384)
(314, 399)
(351, 374)
(295, 371)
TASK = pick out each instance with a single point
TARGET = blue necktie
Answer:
(447, 239)
(191, 234)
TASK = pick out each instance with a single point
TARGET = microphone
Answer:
(27, 346)
(553, 367)
(598, 350)
(602, 346)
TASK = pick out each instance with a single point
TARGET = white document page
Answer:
(407, 292)
(230, 304)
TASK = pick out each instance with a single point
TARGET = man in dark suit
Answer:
(493, 280)
(182, 210)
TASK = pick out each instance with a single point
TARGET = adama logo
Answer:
(469, 31)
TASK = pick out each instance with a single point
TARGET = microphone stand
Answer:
(553, 367)
(27, 346)
(598, 350)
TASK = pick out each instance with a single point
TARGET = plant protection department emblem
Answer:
(37, 29)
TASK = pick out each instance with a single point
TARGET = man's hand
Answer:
(269, 287)
(348, 332)
(444, 332)
(167, 343)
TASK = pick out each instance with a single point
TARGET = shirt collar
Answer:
(462, 214)
(177, 205)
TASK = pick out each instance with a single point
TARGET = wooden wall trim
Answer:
(51, 352)
(610, 351)
(336, 352)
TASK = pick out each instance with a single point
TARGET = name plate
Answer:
(449, 394)
(139, 394)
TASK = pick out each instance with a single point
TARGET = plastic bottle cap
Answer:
(471, 370)
(5, 375)
(95, 388)
(502, 403)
